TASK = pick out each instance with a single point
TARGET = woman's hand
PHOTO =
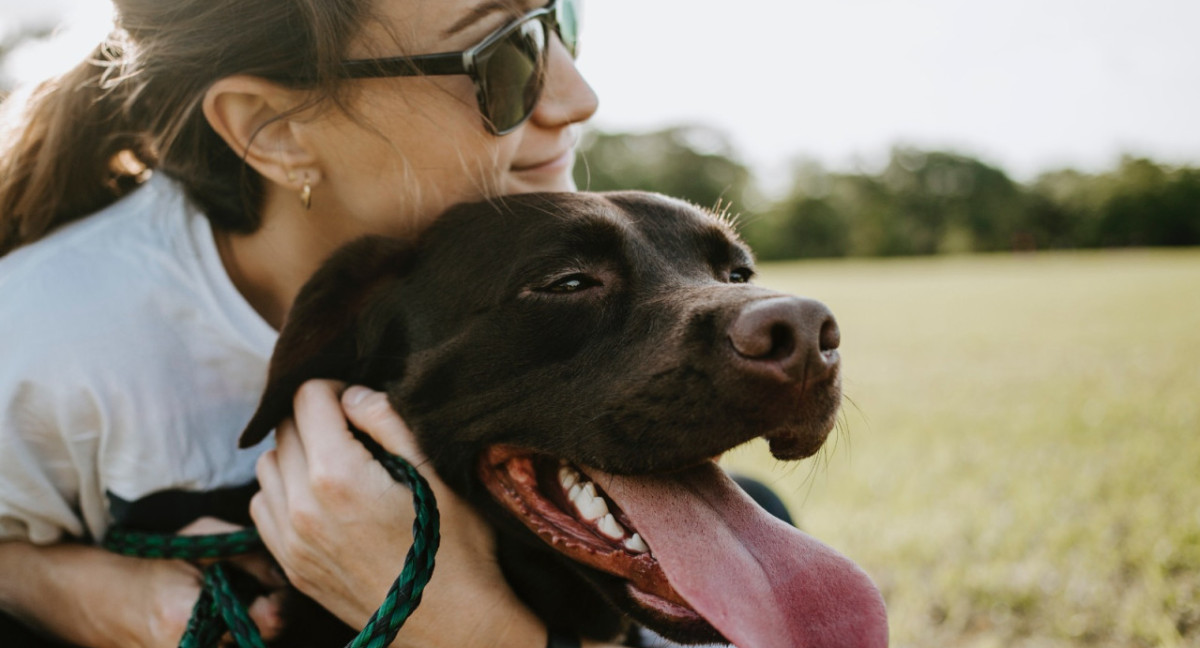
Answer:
(89, 596)
(340, 526)
(154, 613)
(266, 609)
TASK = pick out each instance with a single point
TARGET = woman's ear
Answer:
(252, 115)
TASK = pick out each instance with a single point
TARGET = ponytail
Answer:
(69, 149)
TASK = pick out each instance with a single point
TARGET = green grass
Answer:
(1018, 461)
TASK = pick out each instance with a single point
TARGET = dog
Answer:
(572, 364)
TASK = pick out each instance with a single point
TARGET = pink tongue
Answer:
(759, 581)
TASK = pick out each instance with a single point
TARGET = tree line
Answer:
(921, 202)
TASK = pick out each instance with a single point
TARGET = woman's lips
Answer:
(555, 164)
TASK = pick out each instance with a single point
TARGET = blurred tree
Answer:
(1179, 222)
(689, 162)
(865, 204)
(1151, 205)
(805, 227)
(922, 202)
(1139, 203)
(1063, 209)
(815, 228)
(805, 224)
(946, 202)
(1134, 203)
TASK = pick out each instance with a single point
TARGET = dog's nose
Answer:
(794, 335)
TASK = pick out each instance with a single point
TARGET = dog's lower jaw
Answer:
(621, 569)
(806, 437)
(677, 622)
(544, 494)
(791, 445)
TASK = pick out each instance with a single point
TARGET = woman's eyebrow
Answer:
(483, 10)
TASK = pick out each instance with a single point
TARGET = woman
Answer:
(160, 206)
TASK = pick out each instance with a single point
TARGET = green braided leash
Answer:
(405, 594)
(219, 611)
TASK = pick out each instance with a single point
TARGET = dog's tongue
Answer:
(758, 580)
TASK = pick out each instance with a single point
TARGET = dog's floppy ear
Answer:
(323, 336)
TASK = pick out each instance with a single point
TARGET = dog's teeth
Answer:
(593, 509)
(635, 544)
(610, 527)
(567, 477)
(573, 492)
(591, 506)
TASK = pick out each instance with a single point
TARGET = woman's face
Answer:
(409, 147)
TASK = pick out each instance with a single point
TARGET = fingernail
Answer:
(355, 395)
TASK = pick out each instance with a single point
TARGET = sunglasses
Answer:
(508, 66)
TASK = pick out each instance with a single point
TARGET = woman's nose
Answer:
(567, 98)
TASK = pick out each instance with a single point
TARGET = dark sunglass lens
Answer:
(512, 75)
(566, 12)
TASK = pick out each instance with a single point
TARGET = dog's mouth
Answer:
(561, 504)
(696, 556)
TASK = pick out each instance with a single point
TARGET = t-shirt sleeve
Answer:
(42, 469)
(49, 422)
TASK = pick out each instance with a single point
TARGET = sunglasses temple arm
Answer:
(431, 64)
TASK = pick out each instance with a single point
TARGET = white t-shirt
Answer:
(129, 364)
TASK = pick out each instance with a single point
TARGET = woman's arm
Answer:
(340, 527)
(91, 597)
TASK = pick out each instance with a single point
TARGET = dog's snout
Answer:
(794, 335)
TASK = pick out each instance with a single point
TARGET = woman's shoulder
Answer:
(89, 268)
(128, 231)
(138, 273)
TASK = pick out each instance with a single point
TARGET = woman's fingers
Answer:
(330, 514)
(265, 610)
(267, 613)
(285, 501)
(269, 505)
(468, 540)
(322, 432)
(290, 463)
(371, 412)
(340, 525)
(262, 568)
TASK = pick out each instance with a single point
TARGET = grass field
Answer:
(1018, 462)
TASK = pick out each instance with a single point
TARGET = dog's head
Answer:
(571, 364)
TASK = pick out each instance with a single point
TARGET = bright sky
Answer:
(1025, 84)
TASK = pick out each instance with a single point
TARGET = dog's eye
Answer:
(571, 283)
(740, 275)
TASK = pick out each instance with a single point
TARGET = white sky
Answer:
(1025, 84)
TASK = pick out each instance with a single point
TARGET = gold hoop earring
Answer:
(306, 195)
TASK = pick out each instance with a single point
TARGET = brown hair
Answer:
(86, 138)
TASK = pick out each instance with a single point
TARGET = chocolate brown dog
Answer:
(571, 364)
